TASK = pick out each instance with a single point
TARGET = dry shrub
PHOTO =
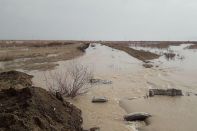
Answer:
(169, 56)
(6, 57)
(71, 82)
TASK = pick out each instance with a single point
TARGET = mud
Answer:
(33, 108)
(14, 79)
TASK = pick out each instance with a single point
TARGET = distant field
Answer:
(43, 54)
(37, 55)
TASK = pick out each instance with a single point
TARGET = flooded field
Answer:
(181, 69)
(130, 82)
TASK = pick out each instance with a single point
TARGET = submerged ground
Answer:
(174, 66)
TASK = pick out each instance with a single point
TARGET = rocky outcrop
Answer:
(165, 92)
(35, 109)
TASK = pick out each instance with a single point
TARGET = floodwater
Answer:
(181, 71)
(168, 114)
(131, 80)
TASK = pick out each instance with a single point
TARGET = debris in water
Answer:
(99, 99)
(137, 116)
(165, 92)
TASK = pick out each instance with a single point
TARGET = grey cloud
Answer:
(98, 19)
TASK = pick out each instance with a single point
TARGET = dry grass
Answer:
(6, 57)
(157, 44)
(35, 56)
(36, 43)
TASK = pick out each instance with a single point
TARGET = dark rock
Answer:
(59, 96)
(147, 65)
(92, 45)
(95, 129)
(99, 99)
(165, 92)
(99, 81)
(137, 116)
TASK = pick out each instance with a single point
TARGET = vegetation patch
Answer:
(38, 55)
(169, 56)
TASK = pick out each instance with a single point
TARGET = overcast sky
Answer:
(99, 19)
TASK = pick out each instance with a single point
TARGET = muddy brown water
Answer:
(168, 113)
(131, 80)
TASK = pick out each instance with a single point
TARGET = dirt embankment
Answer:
(14, 79)
(34, 109)
(139, 54)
